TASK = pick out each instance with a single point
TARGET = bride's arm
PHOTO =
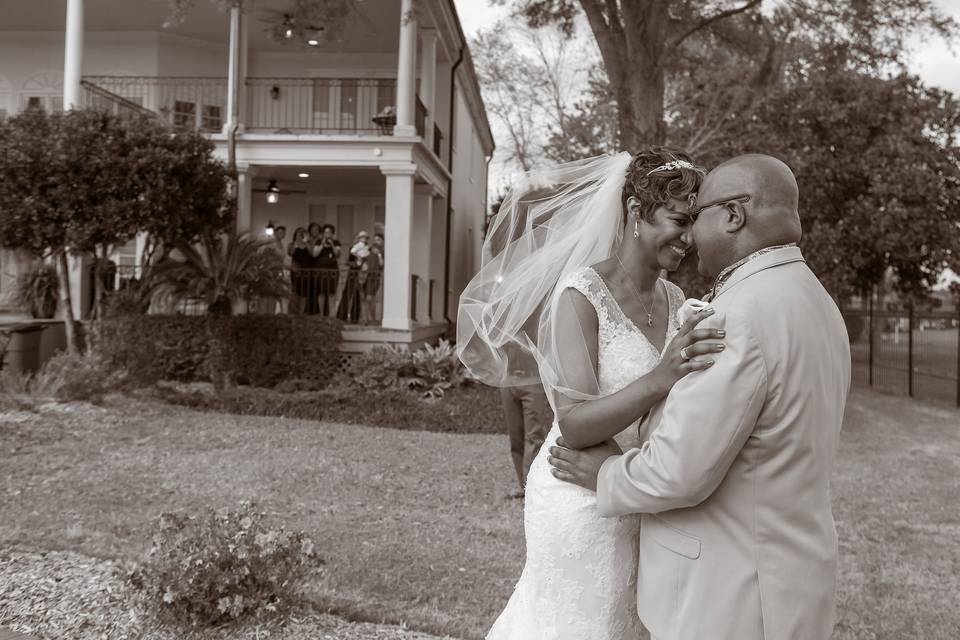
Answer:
(585, 423)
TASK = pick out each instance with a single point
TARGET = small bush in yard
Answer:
(432, 370)
(66, 377)
(219, 567)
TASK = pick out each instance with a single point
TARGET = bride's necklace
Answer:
(648, 310)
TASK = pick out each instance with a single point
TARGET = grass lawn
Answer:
(415, 526)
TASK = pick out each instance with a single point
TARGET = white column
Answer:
(407, 72)
(73, 56)
(398, 232)
(233, 70)
(78, 266)
(438, 225)
(245, 175)
(422, 214)
(428, 73)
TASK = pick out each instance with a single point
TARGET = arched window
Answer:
(43, 91)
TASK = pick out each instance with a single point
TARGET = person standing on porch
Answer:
(327, 253)
(300, 260)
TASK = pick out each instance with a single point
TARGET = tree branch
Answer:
(708, 21)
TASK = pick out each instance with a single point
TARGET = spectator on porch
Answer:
(300, 258)
(349, 310)
(282, 305)
(371, 273)
(326, 252)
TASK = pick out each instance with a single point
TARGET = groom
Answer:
(737, 539)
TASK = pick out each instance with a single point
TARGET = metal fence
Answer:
(906, 352)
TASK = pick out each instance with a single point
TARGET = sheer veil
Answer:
(514, 325)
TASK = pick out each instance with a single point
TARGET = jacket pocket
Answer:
(671, 538)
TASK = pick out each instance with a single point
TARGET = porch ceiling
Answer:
(375, 32)
(323, 181)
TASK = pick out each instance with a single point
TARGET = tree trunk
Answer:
(640, 112)
(66, 303)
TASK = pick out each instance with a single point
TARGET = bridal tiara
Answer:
(676, 164)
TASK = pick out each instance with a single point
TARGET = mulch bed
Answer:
(66, 595)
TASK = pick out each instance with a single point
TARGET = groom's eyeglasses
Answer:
(695, 210)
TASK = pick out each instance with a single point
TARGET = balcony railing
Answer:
(273, 105)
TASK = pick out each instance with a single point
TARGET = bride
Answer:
(572, 297)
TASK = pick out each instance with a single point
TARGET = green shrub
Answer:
(432, 370)
(218, 567)
(37, 289)
(65, 377)
(262, 350)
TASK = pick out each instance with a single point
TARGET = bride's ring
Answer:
(684, 354)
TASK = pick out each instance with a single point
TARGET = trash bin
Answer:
(23, 350)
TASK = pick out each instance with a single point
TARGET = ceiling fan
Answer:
(273, 192)
(309, 22)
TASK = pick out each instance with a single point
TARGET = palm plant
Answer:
(222, 270)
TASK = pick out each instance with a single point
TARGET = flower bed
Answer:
(472, 408)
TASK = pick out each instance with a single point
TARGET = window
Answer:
(184, 114)
(212, 117)
(321, 105)
(348, 105)
(346, 222)
(386, 94)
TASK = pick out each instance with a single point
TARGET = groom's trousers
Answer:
(527, 414)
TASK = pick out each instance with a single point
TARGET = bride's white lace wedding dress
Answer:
(579, 581)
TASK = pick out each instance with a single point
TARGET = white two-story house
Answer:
(296, 105)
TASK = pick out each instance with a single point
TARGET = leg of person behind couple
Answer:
(526, 413)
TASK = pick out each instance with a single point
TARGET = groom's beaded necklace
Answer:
(726, 273)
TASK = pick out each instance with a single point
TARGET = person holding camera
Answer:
(326, 253)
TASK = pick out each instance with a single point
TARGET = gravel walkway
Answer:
(65, 595)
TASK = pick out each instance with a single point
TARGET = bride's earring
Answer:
(636, 228)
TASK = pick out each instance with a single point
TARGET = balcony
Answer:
(328, 106)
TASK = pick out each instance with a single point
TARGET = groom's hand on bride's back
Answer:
(580, 467)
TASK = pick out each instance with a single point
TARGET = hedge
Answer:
(261, 350)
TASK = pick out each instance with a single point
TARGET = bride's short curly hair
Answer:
(655, 188)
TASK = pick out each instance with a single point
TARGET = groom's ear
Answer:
(736, 216)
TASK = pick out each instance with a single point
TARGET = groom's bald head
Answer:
(732, 230)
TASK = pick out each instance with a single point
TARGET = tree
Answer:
(651, 50)
(879, 187)
(83, 182)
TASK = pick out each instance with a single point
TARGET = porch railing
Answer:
(272, 105)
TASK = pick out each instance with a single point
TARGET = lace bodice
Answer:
(624, 354)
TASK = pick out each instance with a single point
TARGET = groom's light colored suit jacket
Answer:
(737, 539)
